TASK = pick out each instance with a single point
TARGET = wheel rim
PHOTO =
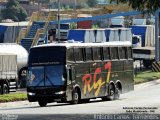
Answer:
(76, 97)
(111, 90)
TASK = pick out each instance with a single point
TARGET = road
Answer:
(144, 99)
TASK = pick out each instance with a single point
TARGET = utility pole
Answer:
(58, 20)
(156, 63)
(157, 39)
(75, 4)
(38, 5)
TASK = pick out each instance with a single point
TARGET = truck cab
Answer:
(64, 28)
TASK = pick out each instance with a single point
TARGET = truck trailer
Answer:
(13, 64)
(8, 73)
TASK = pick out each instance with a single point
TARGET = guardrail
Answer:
(42, 32)
(21, 35)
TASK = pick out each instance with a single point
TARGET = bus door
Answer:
(70, 82)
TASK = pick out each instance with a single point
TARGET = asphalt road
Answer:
(145, 99)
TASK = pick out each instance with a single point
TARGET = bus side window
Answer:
(114, 53)
(106, 53)
(78, 54)
(70, 55)
(102, 54)
(125, 52)
(96, 53)
(88, 52)
(83, 54)
(122, 52)
(129, 52)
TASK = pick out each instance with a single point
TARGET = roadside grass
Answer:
(13, 97)
(146, 76)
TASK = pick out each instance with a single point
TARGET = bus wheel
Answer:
(75, 97)
(5, 89)
(42, 103)
(111, 94)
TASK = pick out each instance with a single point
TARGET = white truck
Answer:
(13, 65)
(145, 50)
(8, 73)
(64, 28)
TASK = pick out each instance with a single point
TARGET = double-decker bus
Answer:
(77, 72)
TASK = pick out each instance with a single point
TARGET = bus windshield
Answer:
(47, 56)
(46, 75)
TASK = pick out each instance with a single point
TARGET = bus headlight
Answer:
(59, 93)
(31, 94)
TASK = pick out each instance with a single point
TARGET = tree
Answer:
(151, 5)
(141, 5)
(14, 11)
(92, 3)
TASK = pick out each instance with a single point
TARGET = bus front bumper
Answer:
(59, 96)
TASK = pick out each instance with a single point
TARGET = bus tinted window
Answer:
(78, 54)
(88, 54)
(114, 52)
(96, 53)
(70, 54)
(129, 52)
(47, 55)
(122, 52)
(106, 53)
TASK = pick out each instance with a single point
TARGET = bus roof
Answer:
(106, 44)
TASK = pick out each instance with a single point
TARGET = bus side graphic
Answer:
(91, 82)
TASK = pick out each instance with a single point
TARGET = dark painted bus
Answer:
(77, 72)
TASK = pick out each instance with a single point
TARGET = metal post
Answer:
(75, 4)
(58, 20)
(38, 5)
(46, 38)
(157, 42)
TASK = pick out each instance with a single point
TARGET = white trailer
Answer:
(13, 58)
(8, 73)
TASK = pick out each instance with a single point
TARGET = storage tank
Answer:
(13, 48)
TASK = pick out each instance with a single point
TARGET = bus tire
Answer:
(111, 94)
(42, 103)
(75, 97)
(118, 90)
(5, 89)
